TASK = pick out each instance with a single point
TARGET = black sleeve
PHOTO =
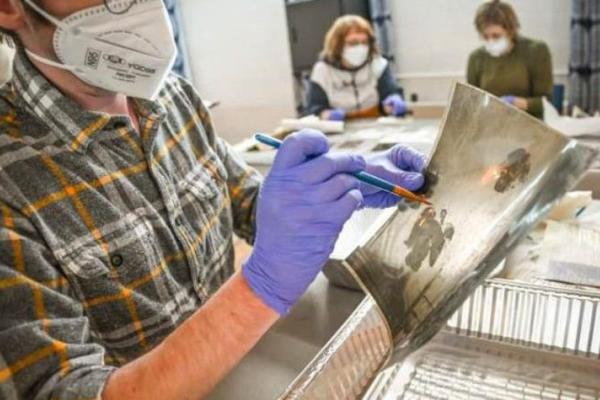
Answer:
(387, 84)
(316, 99)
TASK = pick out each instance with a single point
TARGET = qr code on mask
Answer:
(92, 58)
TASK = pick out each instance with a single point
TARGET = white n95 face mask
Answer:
(356, 55)
(130, 53)
(497, 47)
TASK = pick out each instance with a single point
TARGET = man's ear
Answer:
(11, 15)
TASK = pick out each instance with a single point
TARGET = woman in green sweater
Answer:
(509, 65)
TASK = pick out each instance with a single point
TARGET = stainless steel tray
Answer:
(555, 318)
(509, 340)
(455, 367)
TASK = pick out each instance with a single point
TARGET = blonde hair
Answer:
(334, 39)
(497, 12)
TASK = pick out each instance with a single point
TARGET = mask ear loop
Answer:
(51, 63)
(44, 14)
(58, 23)
(52, 19)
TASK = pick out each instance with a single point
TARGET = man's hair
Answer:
(334, 39)
(497, 12)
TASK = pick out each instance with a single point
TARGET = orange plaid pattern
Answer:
(109, 239)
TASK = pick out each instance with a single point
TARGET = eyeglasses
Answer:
(119, 6)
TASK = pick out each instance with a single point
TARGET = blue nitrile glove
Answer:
(400, 165)
(396, 103)
(302, 206)
(509, 99)
(337, 114)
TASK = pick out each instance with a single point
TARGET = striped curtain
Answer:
(585, 55)
(182, 65)
(381, 17)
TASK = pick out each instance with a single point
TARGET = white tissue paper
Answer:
(573, 127)
(312, 122)
(564, 248)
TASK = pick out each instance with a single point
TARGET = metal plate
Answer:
(495, 171)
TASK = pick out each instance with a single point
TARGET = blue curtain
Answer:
(585, 55)
(381, 17)
(182, 65)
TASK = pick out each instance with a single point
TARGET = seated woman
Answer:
(509, 65)
(351, 77)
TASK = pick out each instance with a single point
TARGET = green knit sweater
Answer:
(524, 72)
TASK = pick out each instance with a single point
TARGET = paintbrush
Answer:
(361, 176)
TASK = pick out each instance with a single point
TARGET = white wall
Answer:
(434, 39)
(240, 56)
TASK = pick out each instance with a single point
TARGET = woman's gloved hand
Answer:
(335, 114)
(302, 206)
(518, 102)
(508, 99)
(400, 165)
(395, 105)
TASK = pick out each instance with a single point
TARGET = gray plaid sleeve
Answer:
(244, 185)
(243, 181)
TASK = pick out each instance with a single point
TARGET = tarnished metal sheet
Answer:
(347, 364)
(495, 172)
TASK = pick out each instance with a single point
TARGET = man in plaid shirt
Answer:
(116, 221)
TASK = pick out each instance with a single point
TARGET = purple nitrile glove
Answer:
(302, 206)
(397, 104)
(337, 114)
(400, 165)
(508, 99)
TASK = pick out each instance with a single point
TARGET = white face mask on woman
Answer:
(356, 55)
(130, 52)
(497, 47)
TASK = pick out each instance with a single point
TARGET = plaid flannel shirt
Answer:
(109, 239)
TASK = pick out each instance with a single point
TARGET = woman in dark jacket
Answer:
(509, 65)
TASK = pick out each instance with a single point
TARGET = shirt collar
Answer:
(77, 126)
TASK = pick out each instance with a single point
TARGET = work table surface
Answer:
(291, 344)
